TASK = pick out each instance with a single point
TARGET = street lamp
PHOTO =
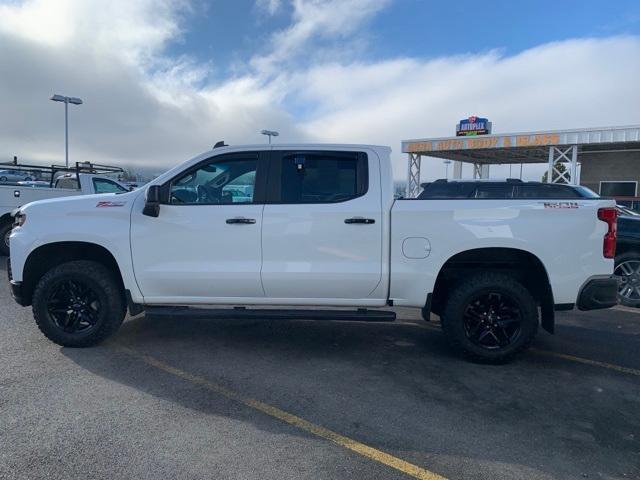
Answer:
(269, 133)
(447, 163)
(66, 101)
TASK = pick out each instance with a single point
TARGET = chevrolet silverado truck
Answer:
(83, 179)
(316, 231)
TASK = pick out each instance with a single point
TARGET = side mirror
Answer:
(152, 202)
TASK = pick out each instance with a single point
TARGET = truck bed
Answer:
(566, 236)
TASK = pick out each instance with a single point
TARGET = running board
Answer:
(360, 315)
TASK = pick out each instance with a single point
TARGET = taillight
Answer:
(609, 215)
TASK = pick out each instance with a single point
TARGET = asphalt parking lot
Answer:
(218, 399)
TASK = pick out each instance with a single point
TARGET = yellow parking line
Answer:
(345, 442)
(587, 361)
(549, 353)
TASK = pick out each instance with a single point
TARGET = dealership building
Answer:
(607, 160)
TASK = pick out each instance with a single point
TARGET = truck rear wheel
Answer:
(490, 318)
(78, 304)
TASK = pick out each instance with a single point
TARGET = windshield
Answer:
(586, 192)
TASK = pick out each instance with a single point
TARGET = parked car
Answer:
(15, 176)
(507, 189)
(321, 229)
(627, 267)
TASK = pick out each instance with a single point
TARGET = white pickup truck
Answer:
(83, 179)
(311, 226)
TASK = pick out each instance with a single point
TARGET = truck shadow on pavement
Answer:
(396, 387)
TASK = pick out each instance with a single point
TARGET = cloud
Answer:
(270, 6)
(151, 110)
(319, 21)
(141, 106)
(572, 84)
(134, 30)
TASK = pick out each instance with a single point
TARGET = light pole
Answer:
(447, 163)
(270, 133)
(66, 101)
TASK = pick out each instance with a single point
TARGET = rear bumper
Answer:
(598, 293)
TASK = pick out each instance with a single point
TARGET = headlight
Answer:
(19, 219)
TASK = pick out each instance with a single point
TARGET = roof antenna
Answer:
(220, 144)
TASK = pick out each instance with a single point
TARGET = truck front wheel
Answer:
(78, 304)
(490, 317)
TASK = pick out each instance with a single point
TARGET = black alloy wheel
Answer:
(74, 306)
(492, 321)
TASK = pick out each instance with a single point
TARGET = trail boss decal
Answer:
(110, 204)
(561, 205)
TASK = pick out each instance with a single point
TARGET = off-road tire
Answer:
(484, 283)
(105, 285)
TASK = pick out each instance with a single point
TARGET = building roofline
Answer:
(536, 132)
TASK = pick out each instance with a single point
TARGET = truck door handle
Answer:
(241, 221)
(365, 221)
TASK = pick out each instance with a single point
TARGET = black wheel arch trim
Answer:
(509, 260)
(48, 256)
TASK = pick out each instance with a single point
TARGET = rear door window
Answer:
(318, 177)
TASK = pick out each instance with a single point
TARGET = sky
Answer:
(163, 80)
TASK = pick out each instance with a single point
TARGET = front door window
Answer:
(223, 182)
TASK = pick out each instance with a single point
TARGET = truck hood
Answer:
(65, 205)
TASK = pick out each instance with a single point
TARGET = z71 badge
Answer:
(110, 204)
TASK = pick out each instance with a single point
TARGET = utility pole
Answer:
(66, 100)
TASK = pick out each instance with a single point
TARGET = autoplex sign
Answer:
(473, 126)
